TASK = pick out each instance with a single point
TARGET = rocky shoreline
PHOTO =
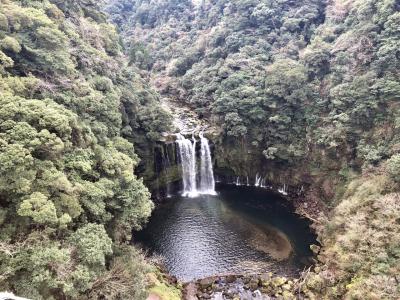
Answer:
(265, 286)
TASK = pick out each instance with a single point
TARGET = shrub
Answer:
(393, 167)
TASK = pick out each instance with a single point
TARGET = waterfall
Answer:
(263, 183)
(238, 181)
(258, 180)
(187, 152)
(207, 184)
(283, 190)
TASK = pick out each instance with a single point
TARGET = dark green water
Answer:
(241, 230)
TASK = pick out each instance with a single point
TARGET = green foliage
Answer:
(92, 243)
(126, 278)
(39, 208)
(68, 194)
(311, 85)
(270, 73)
(10, 44)
(217, 62)
(305, 83)
(393, 167)
(287, 80)
(360, 257)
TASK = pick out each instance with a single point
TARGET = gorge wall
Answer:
(299, 91)
(305, 93)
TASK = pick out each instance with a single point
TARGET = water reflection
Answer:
(240, 230)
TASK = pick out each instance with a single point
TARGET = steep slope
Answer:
(288, 82)
(68, 195)
(360, 257)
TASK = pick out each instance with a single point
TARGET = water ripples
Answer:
(208, 236)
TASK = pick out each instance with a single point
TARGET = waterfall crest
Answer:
(187, 154)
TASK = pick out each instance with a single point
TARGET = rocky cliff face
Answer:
(311, 183)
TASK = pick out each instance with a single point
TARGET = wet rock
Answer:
(265, 280)
(266, 276)
(218, 288)
(253, 284)
(189, 291)
(239, 281)
(315, 249)
(266, 290)
(230, 279)
(230, 294)
(206, 283)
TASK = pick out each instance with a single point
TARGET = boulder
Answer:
(278, 281)
(253, 284)
(206, 283)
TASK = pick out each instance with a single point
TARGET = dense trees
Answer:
(215, 59)
(313, 86)
(272, 72)
(308, 84)
(68, 195)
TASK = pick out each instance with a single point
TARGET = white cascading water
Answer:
(187, 152)
(238, 181)
(257, 181)
(207, 183)
(283, 190)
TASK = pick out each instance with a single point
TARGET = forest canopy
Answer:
(68, 196)
(309, 85)
(273, 72)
